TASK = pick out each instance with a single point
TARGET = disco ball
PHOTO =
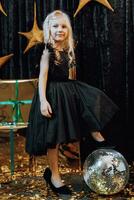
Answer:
(106, 171)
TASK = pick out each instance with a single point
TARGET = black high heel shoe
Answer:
(104, 144)
(60, 190)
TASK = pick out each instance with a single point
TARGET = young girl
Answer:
(62, 108)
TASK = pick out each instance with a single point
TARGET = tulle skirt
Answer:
(78, 109)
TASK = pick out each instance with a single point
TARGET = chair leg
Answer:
(12, 151)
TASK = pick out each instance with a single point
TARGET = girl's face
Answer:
(59, 30)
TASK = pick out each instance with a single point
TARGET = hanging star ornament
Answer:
(34, 36)
(4, 59)
(2, 10)
(82, 3)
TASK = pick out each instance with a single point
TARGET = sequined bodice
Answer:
(58, 70)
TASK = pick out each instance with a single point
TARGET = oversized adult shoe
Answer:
(60, 190)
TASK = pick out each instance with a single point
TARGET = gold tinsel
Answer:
(27, 182)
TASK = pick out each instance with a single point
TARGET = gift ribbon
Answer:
(17, 117)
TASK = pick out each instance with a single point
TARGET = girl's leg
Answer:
(52, 155)
(97, 136)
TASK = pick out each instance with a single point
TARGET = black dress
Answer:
(77, 107)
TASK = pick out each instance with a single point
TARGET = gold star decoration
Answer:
(2, 10)
(82, 3)
(35, 35)
(4, 59)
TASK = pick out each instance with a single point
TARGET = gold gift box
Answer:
(15, 98)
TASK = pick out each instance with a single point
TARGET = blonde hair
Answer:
(69, 42)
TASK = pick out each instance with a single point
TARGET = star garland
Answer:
(35, 35)
(2, 10)
(82, 3)
(4, 59)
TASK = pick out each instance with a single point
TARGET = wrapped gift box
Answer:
(15, 99)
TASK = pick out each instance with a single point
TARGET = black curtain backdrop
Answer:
(105, 44)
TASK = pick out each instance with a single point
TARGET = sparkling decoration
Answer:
(82, 3)
(2, 10)
(4, 59)
(34, 36)
(106, 171)
(27, 182)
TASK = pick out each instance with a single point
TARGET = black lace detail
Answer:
(72, 64)
(58, 66)
(49, 47)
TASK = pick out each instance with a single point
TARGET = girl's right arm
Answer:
(43, 76)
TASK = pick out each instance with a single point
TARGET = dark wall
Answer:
(104, 52)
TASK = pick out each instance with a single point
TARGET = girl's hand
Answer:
(46, 109)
